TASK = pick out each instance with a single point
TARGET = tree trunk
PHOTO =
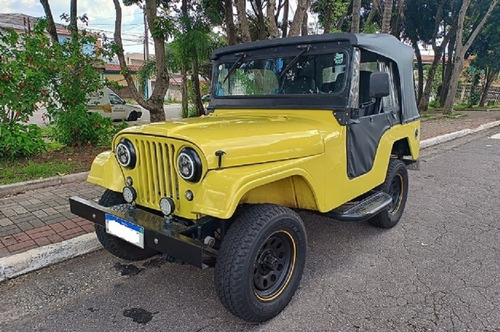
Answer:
(184, 92)
(386, 18)
(284, 26)
(420, 68)
(423, 105)
(490, 76)
(438, 51)
(50, 20)
(73, 27)
(271, 20)
(304, 29)
(327, 28)
(447, 70)
(461, 49)
(230, 29)
(395, 29)
(298, 18)
(155, 103)
(356, 7)
(242, 20)
(371, 15)
(197, 91)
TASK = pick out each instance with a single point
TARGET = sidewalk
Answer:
(41, 217)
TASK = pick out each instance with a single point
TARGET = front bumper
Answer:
(165, 237)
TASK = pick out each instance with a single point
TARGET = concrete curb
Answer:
(34, 259)
(451, 136)
(16, 188)
(41, 257)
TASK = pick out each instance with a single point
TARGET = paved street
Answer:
(438, 270)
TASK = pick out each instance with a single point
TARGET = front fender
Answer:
(223, 189)
(105, 172)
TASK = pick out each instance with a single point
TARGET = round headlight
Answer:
(125, 153)
(189, 165)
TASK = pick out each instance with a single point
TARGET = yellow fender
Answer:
(106, 172)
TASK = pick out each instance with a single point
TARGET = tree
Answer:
(418, 28)
(230, 28)
(330, 13)
(355, 22)
(298, 18)
(441, 11)
(241, 9)
(271, 20)
(57, 77)
(487, 50)
(386, 18)
(155, 103)
(461, 48)
(51, 25)
(396, 28)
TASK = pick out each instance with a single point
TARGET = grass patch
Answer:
(428, 115)
(56, 161)
(18, 171)
(454, 115)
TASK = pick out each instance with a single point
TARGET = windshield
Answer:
(301, 73)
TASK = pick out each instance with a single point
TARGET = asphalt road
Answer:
(438, 270)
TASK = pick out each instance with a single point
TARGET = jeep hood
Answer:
(245, 140)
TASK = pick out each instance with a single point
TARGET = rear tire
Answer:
(114, 245)
(260, 262)
(396, 185)
(132, 116)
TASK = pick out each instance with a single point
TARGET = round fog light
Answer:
(189, 195)
(129, 194)
(167, 205)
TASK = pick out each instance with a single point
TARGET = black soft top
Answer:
(383, 44)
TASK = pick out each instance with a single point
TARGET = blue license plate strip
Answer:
(125, 230)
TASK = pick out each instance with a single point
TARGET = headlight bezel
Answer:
(189, 154)
(126, 146)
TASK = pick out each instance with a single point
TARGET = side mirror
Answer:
(379, 84)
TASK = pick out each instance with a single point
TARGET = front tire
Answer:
(396, 185)
(260, 262)
(114, 245)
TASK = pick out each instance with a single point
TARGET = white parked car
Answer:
(108, 104)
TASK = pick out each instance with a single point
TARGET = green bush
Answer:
(19, 140)
(474, 98)
(77, 128)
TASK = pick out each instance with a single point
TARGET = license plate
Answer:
(125, 230)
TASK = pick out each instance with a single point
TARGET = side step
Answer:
(362, 210)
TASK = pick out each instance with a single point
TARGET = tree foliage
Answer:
(58, 78)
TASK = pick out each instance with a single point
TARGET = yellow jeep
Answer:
(324, 123)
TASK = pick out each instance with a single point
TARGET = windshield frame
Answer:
(338, 100)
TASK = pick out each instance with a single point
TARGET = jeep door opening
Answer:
(324, 123)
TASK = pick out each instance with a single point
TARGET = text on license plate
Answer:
(125, 230)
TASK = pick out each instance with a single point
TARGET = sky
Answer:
(101, 14)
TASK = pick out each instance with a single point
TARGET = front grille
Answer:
(156, 176)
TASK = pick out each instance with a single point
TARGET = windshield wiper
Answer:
(240, 56)
(305, 48)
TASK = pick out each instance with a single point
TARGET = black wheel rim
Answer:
(274, 266)
(396, 192)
